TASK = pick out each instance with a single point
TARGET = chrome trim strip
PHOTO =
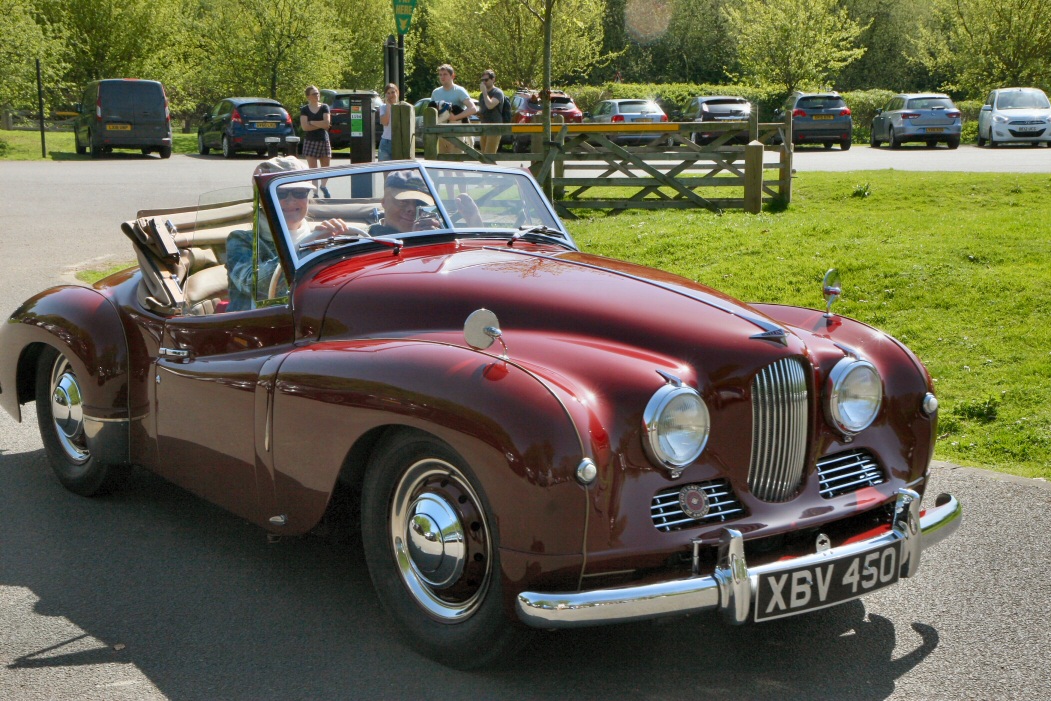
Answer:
(731, 586)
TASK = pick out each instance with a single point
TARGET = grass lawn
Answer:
(956, 265)
(25, 145)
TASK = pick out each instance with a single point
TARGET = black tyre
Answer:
(80, 148)
(993, 143)
(953, 144)
(201, 148)
(431, 551)
(828, 145)
(873, 141)
(95, 151)
(981, 141)
(165, 151)
(146, 151)
(932, 144)
(844, 145)
(228, 148)
(60, 414)
(892, 139)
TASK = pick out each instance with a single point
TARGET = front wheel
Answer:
(60, 414)
(429, 543)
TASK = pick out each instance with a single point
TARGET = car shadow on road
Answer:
(206, 608)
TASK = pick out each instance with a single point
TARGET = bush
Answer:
(4, 147)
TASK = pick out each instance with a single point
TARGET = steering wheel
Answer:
(315, 235)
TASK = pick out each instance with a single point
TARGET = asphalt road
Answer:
(154, 594)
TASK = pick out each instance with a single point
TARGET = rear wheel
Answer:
(80, 148)
(95, 151)
(892, 139)
(844, 145)
(932, 144)
(60, 414)
(146, 151)
(201, 148)
(953, 144)
(228, 148)
(429, 543)
(828, 145)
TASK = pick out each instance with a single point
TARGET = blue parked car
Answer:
(819, 118)
(926, 117)
(243, 124)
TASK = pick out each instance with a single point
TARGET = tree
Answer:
(986, 44)
(27, 38)
(507, 36)
(887, 38)
(793, 44)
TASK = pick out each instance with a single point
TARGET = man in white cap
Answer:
(250, 274)
(403, 194)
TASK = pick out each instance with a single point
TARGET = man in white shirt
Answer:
(455, 95)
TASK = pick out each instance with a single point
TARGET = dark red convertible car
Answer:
(536, 437)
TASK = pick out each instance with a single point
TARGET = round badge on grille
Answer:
(694, 501)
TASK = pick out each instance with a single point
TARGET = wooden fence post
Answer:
(784, 184)
(430, 141)
(403, 131)
(753, 177)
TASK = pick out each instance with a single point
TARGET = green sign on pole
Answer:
(403, 14)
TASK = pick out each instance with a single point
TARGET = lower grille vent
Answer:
(668, 514)
(847, 472)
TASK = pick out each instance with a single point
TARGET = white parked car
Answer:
(1015, 115)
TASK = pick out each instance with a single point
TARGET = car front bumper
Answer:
(732, 587)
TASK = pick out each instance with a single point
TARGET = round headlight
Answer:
(855, 394)
(676, 426)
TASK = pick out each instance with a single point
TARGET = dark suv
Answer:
(819, 118)
(123, 113)
(526, 104)
(243, 124)
(339, 102)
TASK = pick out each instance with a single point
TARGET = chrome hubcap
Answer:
(67, 411)
(440, 540)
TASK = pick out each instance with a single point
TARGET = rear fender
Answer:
(517, 438)
(82, 325)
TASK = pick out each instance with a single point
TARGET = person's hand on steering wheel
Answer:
(469, 210)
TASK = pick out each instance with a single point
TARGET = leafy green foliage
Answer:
(793, 44)
(949, 263)
(983, 44)
(25, 38)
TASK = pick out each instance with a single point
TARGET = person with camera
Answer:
(390, 98)
(490, 109)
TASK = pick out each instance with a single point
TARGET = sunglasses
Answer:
(297, 193)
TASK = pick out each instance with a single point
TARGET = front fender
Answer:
(516, 436)
(81, 324)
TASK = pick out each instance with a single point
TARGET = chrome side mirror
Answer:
(831, 288)
(481, 329)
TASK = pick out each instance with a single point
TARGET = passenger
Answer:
(249, 282)
(403, 195)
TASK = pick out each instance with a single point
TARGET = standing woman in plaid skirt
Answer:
(315, 120)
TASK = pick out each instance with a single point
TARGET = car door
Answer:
(985, 116)
(879, 122)
(212, 403)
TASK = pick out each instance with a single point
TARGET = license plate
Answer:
(118, 127)
(266, 125)
(644, 119)
(1029, 128)
(822, 116)
(935, 130)
(826, 584)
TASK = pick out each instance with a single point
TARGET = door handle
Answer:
(174, 353)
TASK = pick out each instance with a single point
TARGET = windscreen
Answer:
(638, 107)
(1023, 100)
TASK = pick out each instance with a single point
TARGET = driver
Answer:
(294, 199)
(403, 194)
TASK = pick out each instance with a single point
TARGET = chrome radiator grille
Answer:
(668, 515)
(779, 430)
(847, 472)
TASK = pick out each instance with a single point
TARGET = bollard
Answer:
(272, 143)
(753, 178)
(292, 145)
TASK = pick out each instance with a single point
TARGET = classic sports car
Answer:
(536, 437)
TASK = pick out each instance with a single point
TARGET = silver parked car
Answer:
(1015, 115)
(629, 111)
(926, 117)
(717, 108)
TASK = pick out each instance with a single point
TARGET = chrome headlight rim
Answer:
(651, 417)
(837, 380)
